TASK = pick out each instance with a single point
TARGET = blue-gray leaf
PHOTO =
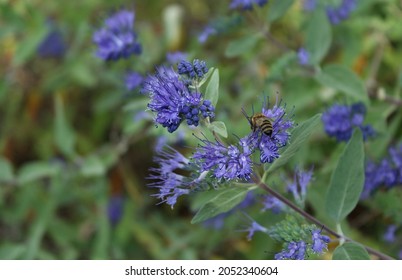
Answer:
(350, 251)
(347, 180)
(223, 201)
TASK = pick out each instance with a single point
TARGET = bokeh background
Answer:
(76, 144)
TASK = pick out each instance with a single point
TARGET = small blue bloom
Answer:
(388, 172)
(175, 57)
(271, 202)
(320, 242)
(115, 209)
(303, 56)
(197, 69)
(133, 80)
(341, 12)
(247, 4)
(269, 145)
(208, 31)
(294, 251)
(299, 185)
(389, 235)
(340, 120)
(226, 162)
(52, 45)
(117, 39)
(253, 228)
(173, 101)
(309, 5)
(171, 185)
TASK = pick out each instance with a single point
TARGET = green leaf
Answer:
(36, 170)
(218, 127)
(206, 76)
(299, 135)
(350, 251)
(280, 65)
(278, 8)
(242, 45)
(224, 201)
(212, 91)
(136, 105)
(63, 134)
(6, 170)
(347, 179)
(319, 36)
(93, 166)
(343, 79)
(28, 46)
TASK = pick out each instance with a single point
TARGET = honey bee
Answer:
(260, 122)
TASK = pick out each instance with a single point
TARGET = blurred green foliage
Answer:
(72, 139)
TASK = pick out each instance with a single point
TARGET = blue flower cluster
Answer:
(171, 185)
(247, 4)
(53, 44)
(174, 98)
(197, 69)
(342, 12)
(387, 173)
(226, 162)
(340, 120)
(117, 39)
(297, 250)
(234, 161)
(293, 251)
(269, 145)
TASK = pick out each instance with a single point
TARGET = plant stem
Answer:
(306, 215)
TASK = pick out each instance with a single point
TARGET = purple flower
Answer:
(175, 57)
(271, 202)
(299, 185)
(303, 56)
(208, 31)
(389, 235)
(253, 228)
(197, 69)
(320, 242)
(269, 145)
(52, 45)
(133, 80)
(342, 12)
(388, 172)
(172, 100)
(171, 185)
(309, 5)
(115, 209)
(340, 120)
(396, 157)
(117, 39)
(294, 251)
(247, 4)
(226, 162)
